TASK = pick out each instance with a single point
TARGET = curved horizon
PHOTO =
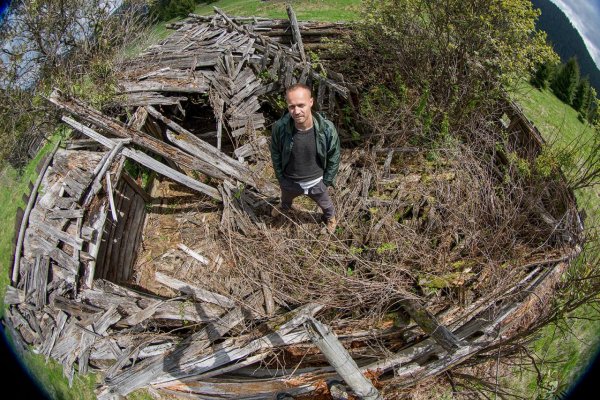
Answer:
(584, 16)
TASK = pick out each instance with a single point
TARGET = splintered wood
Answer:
(159, 290)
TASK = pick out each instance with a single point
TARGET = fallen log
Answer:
(339, 358)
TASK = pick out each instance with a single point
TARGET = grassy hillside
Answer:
(316, 10)
(565, 349)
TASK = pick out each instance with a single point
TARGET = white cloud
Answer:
(585, 17)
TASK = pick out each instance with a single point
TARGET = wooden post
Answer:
(431, 325)
(296, 31)
(340, 359)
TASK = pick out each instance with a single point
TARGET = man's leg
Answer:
(289, 191)
(320, 196)
(287, 198)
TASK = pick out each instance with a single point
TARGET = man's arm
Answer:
(333, 158)
(276, 152)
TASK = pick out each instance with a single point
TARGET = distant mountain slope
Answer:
(566, 40)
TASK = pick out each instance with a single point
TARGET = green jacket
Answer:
(327, 140)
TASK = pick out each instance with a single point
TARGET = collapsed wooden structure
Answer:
(79, 237)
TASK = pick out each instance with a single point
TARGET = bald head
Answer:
(299, 102)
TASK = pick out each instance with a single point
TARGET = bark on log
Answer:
(431, 326)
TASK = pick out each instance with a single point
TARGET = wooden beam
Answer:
(228, 166)
(147, 161)
(340, 359)
(198, 293)
(114, 127)
(431, 325)
(296, 31)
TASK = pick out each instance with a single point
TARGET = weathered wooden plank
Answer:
(194, 254)
(121, 232)
(153, 368)
(198, 293)
(107, 268)
(162, 169)
(227, 165)
(102, 169)
(341, 360)
(190, 85)
(94, 248)
(250, 148)
(65, 214)
(148, 161)
(106, 320)
(56, 233)
(25, 219)
(48, 345)
(118, 129)
(138, 189)
(142, 315)
(296, 31)
(134, 221)
(150, 98)
(267, 293)
(23, 326)
(282, 335)
(85, 349)
(73, 308)
(42, 282)
(13, 295)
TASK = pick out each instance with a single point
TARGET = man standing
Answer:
(305, 150)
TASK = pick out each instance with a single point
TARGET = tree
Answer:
(456, 57)
(46, 43)
(165, 10)
(582, 98)
(542, 75)
(566, 80)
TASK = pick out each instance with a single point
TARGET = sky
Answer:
(585, 17)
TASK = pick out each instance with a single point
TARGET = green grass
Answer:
(50, 377)
(565, 353)
(556, 121)
(308, 10)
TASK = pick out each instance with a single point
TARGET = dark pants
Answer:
(318, 193)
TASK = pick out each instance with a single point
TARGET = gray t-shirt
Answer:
(304, 164)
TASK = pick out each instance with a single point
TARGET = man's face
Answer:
(299, 103)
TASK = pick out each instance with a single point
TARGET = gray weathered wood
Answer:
(198, 293)
(296, 31)
(13, 295)
(111, 199)
(25, 219)
(194, 254)
(147, 161)
(204, 151)
(341, 360)
(102, 169)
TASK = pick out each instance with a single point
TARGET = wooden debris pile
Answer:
(71, 297)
